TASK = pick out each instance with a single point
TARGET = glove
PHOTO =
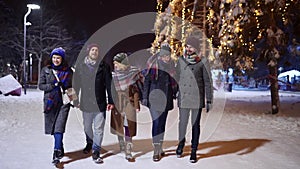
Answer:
(208, 107)
(58, 84)
(175, 95)
(76, 103)
(145, 102)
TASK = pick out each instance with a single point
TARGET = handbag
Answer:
(69, 94)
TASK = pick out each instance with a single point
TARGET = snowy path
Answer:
(247, 137)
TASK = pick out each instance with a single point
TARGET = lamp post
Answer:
(30, 66)
(30, 7)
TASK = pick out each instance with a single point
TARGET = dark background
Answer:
(83, 18)
(89, 14)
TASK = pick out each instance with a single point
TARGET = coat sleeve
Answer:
(147, 83)
(44, 83)
(108, 83)
(207, 81)
(177, 71)
(70, 78)
(76, 84)
(136, 96)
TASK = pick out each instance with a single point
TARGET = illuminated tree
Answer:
(238, 29)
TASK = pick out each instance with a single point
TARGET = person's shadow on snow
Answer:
(144, 146)
(140, 147)
(79, 155)
(239, 146)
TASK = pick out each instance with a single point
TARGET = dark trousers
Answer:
(158, 125)
(184, 114)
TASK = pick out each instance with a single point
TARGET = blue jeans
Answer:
(184, 114)
(58, 141)
(93, 123)
(158, 125)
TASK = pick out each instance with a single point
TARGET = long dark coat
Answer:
(195, 84)
(159, 92)
(125, 102)
(56, 119)
(93, 84)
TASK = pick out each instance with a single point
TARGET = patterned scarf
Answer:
(192, 59)
(154, 63)
(123, 78)
(55, 96)
(152, 67)
(90, 63)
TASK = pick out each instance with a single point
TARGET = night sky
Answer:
(95, 13)
(86, 17)
(92, 14)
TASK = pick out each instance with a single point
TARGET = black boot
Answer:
(193, 157)
(180, 147)
(156, 153)
(87, 148)
(61, 153)
(57, 155)
(96, 157)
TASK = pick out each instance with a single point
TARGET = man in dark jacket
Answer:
(195, 86)
(92, 78)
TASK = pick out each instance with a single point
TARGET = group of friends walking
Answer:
(121, 91)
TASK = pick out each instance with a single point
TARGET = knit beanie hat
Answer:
(194, 42)
(165, 50)
(90, 46)
(121, 58)
(58, 51)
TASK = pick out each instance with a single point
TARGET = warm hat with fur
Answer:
(58, 51)
(121, 58)
(165, 50)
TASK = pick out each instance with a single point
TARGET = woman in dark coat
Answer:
(159, 90)
(55, 112)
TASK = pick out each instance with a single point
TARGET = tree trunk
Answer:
(274, 89)
(39, 68)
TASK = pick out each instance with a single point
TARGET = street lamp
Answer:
(30, 7)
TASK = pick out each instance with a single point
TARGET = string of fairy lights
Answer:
(287, 4)
(231, 24)
(155, 44)
(183, 20)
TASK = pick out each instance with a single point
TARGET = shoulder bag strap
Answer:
(55, 74)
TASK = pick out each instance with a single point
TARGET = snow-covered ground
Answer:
(247, 136)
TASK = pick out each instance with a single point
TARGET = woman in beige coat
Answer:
(126, 99)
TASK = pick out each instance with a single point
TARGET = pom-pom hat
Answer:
(58, 51)
(165, 50)
(121, 58)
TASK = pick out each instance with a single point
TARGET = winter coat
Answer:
(93, 85)
(194, 82)
(56, 118)
(125, 102)
(158, 91)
